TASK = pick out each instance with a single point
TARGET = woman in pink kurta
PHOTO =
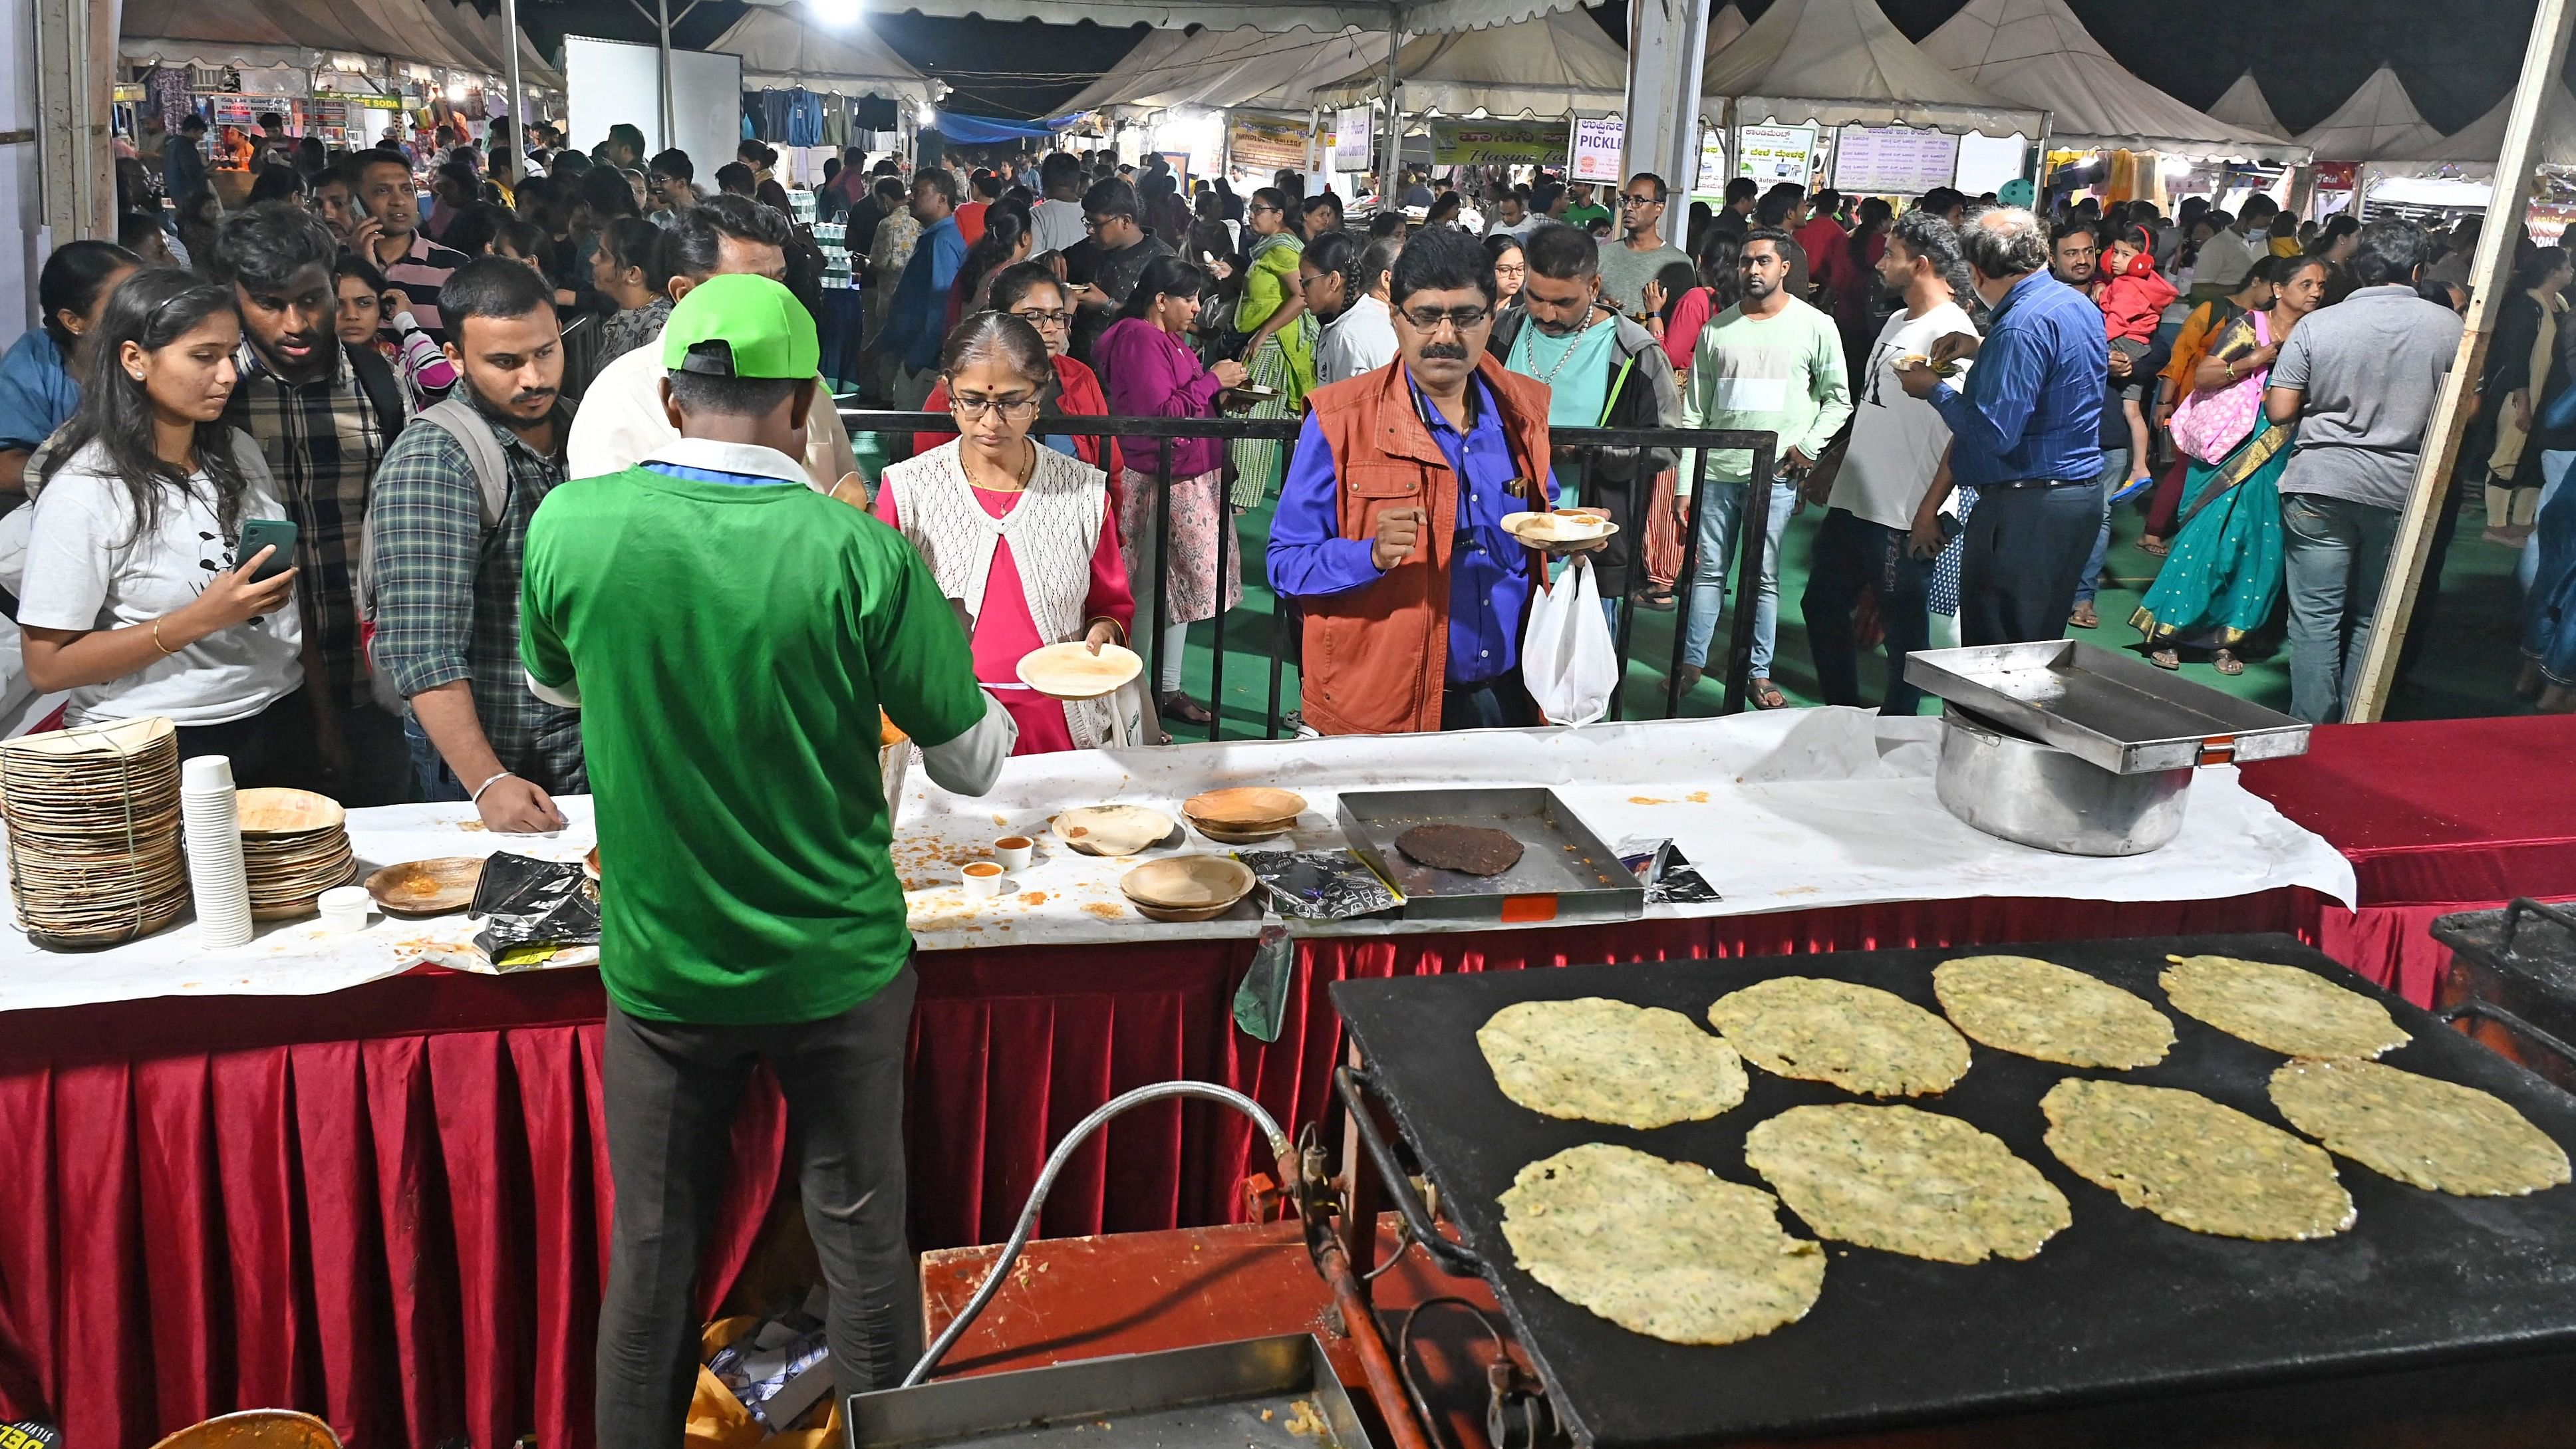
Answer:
(1021, 534)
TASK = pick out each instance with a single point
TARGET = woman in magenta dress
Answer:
(1146, 360)
(1021, 534)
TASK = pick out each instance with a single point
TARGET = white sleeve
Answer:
(970, 763)
(568, 697)
(75, 543)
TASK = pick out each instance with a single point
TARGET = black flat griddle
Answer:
(2121, 1305)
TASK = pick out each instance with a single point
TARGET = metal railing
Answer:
(1580, 445)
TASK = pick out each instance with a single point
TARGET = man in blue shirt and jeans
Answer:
(2026, 433)
(917, 320)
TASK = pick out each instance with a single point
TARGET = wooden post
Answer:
(2450, 420)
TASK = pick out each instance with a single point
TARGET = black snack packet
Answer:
(1320, 885)
(529, 902)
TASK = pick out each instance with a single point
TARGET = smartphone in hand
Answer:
(259, 533)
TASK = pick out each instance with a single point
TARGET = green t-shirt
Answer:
(1582, 216)
(732, 645)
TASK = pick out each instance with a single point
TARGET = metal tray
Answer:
(1259, 1393)
(1565, 873)
(2120, 1308)
(2115, 710)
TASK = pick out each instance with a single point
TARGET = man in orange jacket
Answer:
(1389, 529)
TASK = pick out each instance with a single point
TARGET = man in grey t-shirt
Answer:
(2358, 379)
(1628, 265)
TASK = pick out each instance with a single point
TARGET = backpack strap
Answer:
(384, 394)
(458, 419)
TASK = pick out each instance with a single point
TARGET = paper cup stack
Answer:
(93, 819)
(295, 846)
(213, 829)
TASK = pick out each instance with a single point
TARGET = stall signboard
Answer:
(1893, 160)
(1499, 143)
(1351, 138)
(1597, 147)
(1772, 154)
(1712, 163)
(1265, 144)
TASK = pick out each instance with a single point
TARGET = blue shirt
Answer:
(37, 394)
(2033, 408)
(917, 320)
(1489, 580)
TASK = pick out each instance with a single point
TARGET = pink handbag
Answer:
(2210, 425)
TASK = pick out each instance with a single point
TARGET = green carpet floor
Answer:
(2467, 660)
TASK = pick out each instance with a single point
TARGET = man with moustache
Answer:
(324, 412)
(1389, 530)
(390, 237)
(447, 528)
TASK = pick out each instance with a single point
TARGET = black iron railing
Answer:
(1579, 446)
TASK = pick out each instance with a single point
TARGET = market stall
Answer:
(2456, 174)
(383, 1200)
(1812, 77)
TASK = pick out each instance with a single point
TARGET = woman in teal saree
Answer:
(2224, 572)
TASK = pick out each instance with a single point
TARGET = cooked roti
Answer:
(1467, 849)
(2297, 1013)
(2434, 1134)
(2040, 1009)
(2194, 1162)
(1666, 1249)
(1907, 1181)
(1859, 1038)
(1596, 1060)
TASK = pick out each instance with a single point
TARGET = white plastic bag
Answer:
(1568, 658)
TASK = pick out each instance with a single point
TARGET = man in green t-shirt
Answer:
(730, 635)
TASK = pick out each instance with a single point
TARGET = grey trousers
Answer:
(671, 1091)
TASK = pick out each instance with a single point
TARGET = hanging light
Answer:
(839, 14)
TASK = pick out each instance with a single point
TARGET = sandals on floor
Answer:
(2154, 547)
(2226, 663)
(2166, 659)
(2084, 617)
(1183, 708)
(1766, 695)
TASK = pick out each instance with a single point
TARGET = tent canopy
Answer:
(1843, 62)
(1325, 17)
(1232, 68)
(2474, 147)
(2038, 53)
(789, 48)
(299, 32)
(1551, 66)
(1724, 28)
(2378, 121)
(2244, 108)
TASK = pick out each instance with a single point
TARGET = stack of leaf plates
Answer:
(295, 846)
(93, 818)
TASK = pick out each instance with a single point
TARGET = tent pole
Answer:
(1388, 191)
(518, 92)
(664, 119)
(2444, 432)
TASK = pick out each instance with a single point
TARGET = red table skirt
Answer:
(389, 1205)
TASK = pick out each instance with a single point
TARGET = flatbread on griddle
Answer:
(1907, 1181)
(2433, 1134)
(2297, 1013)
(1467, 849)
(2195, 1163)
(1597, 1060)
(1859, 1038)
(1666, 1249)
(2040, 1009)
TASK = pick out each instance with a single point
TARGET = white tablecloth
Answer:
(1789, 810)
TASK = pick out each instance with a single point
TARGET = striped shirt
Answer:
(418, 274)
(322, 440)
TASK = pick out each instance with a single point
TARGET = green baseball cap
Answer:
(739, 325)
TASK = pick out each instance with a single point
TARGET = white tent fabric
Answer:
(1724, 29)
(1324, 17)
(2378, 121)
(1231, 68)
(2244, 108)
(1843, 62)
(2473, 148)
(2038, 53)
(786, 48)
(1552, 66)
(298, 32)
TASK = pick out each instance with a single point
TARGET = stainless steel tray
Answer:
(1260, 1393)
(2115, 710)
(1565, 873)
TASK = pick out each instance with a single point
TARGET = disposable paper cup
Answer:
(201, 773)
(983, 878)
(344, 908)
(1013, 851)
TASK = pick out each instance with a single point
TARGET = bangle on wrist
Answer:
(166, 651)
(477, 797)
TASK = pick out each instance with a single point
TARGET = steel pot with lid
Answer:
(2009, 785)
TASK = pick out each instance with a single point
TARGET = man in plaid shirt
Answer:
(447, 586)
(323, 412)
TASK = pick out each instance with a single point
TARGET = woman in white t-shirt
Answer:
(134, 600)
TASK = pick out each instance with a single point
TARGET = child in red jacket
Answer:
(2133, 299)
